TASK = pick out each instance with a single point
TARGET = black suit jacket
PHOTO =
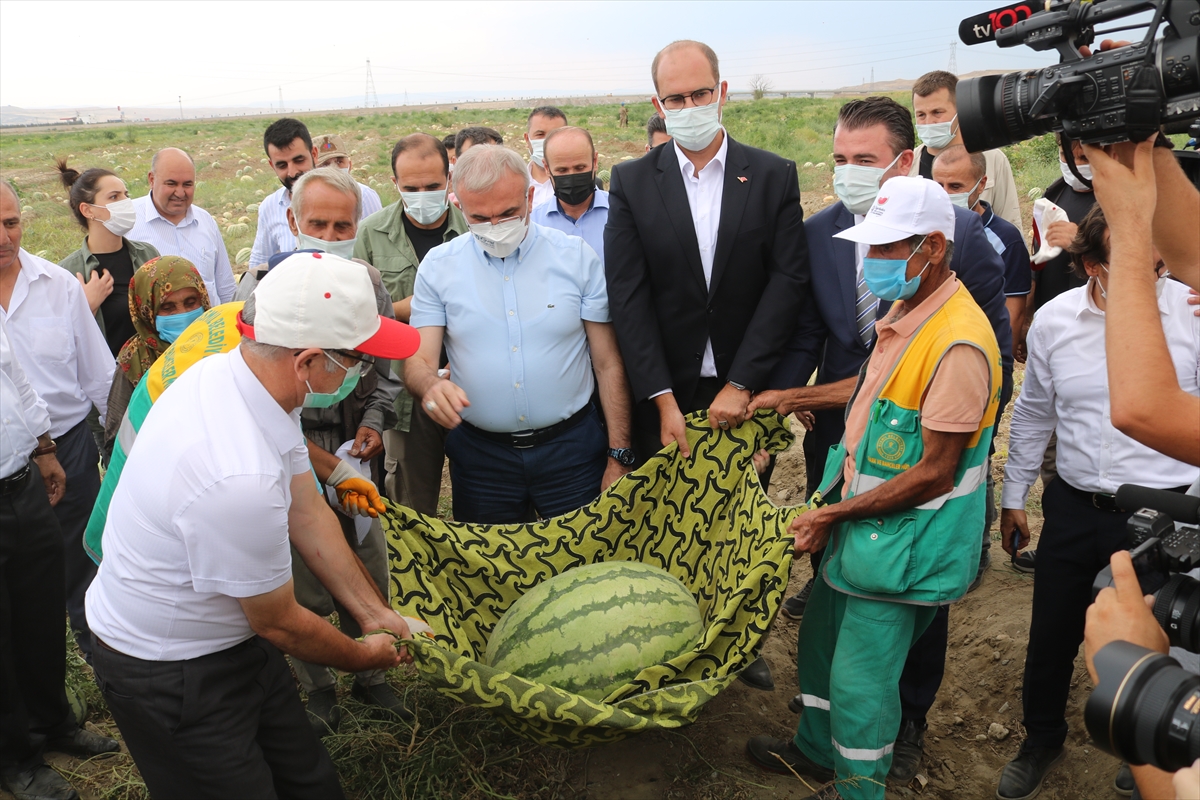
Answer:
(663, 312)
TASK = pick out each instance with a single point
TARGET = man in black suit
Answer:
(705, 258)
(873, 141)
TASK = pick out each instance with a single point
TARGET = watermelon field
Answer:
(455, 751)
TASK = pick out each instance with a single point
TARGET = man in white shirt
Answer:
(541, 121)
(332, 152)
(69, 365)
(289, 148)
(34, 713)
(1066, 389)
(194, 599)
(168, 219)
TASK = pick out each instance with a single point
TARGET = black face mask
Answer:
(574, 189)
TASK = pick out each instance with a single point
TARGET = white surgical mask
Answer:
(962, 200)
(424, 208)
(343, 249)
(500, 239)
(856, 186)
(539, 147)
(121, 216)
(695, 127)
(345, 170)
(938, 135)
(1085, 170)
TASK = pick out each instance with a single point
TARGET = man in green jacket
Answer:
(395, 241)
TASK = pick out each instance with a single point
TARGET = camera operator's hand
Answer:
(1122, 613)
(1128, 196)
(1187, 782)
(1014, 530)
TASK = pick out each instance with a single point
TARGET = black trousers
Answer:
(647, 427)
(33, 703)
(229, 724)
(80, 460)
(1077, 541)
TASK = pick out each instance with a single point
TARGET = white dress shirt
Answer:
(196, 238)
(704, 193)
(200, 516)
(273, 234)
(1066, 388)
(542, 192)
(56, 339)
(23, 415)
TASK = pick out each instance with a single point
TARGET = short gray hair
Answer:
(956, 153)
(9, 185)
(916, 240)
(332, 177)
(481, 167)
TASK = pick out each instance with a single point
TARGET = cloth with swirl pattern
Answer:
(705, 519)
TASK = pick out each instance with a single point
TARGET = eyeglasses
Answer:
(359, 358)
(700, 97)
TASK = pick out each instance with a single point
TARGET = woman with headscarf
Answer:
(165, 296)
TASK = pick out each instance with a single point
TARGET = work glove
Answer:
(357, 495)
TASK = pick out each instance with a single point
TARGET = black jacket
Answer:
(662, 311)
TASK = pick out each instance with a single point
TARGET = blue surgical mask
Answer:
(343, 249)
(330, 399)
(885, 277)
(695, 127)
(856, 186)
(171, 326)
(424, 208)
(938, 135)
(963, 199)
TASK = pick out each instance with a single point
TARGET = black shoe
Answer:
(796, 704)
(985, 562)
(84, 744)
(324, 714)
(773, 754)
(1023, 562)
(1022, 777)
(793, 607)
(39, 783)
(381, 696)
(906, 757)
(758, 675)
(1123, 783)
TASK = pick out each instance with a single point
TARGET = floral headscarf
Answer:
(156, 279)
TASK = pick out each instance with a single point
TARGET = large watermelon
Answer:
(592, 629)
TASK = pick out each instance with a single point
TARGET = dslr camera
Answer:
(1146, 708)
(1124, 94)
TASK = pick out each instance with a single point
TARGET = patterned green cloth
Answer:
(704, 519)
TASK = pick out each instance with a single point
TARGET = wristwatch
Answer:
(738, 386)
(623, 456)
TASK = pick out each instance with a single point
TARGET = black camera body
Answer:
(1123, 94)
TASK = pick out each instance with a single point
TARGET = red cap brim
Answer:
(394, 339)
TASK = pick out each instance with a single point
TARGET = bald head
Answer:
(10, 227)
(7, 190)
(172, 183)
(570, 138)
(688, 57)
(957, 158)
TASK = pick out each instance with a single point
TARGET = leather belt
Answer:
(16, 481)
(1108, 502)
(523, 440)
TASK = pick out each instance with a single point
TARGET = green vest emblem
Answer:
(890, 447)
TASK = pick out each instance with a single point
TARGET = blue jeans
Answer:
(496, 483)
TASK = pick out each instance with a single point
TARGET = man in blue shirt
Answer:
(578, 207)
(523, 313)
(964, 177)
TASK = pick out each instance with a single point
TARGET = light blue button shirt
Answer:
(589, 226)
(514, 326)
(196, 238)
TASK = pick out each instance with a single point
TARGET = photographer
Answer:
(1151, 205)
(1122, 613)
(1066, 389)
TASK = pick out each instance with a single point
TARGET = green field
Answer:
(233, 175)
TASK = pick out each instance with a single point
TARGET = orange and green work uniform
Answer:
(936, 367)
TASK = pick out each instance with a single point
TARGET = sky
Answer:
(219, 54)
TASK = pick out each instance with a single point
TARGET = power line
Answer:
(370, 98)
(952, 67)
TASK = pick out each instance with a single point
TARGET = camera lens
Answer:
(993, 110)
(1146, 709)
(1177, 609)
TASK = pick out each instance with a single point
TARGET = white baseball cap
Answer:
(904, 207)
(321, 300)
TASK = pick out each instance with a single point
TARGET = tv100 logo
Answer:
(983, 27)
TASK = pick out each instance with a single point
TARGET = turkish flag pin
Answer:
(742, 178)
